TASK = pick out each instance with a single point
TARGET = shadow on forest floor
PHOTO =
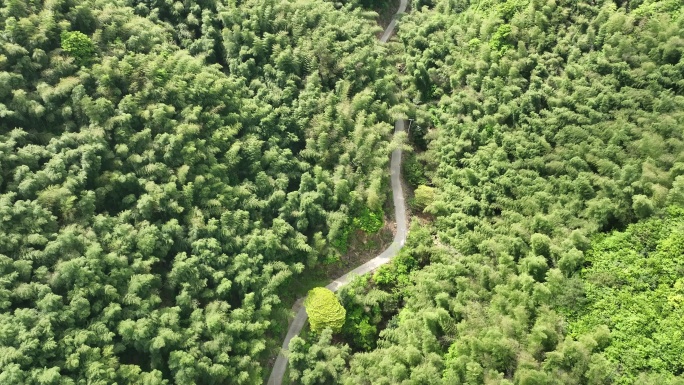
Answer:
(386, 11)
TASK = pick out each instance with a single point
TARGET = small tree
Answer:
(676, 195)
(642, 206)
(424, 196)
(541, 244)
(78, 45)
(324, 310)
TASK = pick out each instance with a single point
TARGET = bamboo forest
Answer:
(390, 192)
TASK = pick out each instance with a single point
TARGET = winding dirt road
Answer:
(298, 322)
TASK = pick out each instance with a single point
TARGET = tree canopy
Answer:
(540, 125)
(635, 286)
(166, 168)
(324, 310)
(169, 168)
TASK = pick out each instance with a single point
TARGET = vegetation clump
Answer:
(635, 287)
(319, 363)
(78, 45)
(424, 196)
(370, 222)
(324, 310)
(167, 169)
(549, 124)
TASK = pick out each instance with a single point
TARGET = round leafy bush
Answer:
(324, 310)
(78, 45)
(424, 196)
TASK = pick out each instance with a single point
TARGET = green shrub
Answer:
(365, 305)
(676, 194)
(332, 257)
(78, 45)
(414, 172)
(642, 206)
(341, 243)
(369, 221)
(424, 196)
(541, 244)
(499, 40)
(396, 274)
(359, 330)
(324, 310)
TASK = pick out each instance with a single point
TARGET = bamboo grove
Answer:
(165, 168)
(545, 128)
(169, 169)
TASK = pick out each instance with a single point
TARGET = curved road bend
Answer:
(298, 322)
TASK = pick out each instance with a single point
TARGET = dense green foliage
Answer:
(369, 221)
(364, 313)
(165, 167)
(635, 286)
(78, 45)
(168, 167)
(424, 197)
(416, 253)
(555, 120)
(320, 363)
(324, 310)
(549, 122)
(413, 170)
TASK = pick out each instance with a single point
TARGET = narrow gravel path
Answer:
(298, 322)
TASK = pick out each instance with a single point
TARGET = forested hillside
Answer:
(546, 124)
(166, 168)
(170, 169)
